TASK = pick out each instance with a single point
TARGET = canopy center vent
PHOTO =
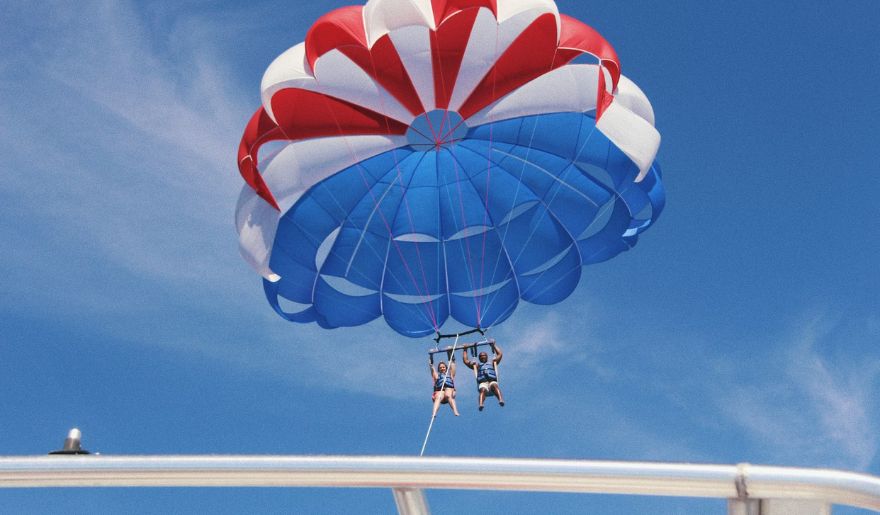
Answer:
(436, 129)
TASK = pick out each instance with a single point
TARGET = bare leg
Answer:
(451, 398)
(482, 398)
(437, 399)
(498, 394)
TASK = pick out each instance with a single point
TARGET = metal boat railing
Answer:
(750, 489)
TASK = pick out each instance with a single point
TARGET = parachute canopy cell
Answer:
(425, 159)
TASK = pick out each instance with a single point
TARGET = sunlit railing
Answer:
(751, 489)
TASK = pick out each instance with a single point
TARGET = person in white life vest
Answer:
(487, 374)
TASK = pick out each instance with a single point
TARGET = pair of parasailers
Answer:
(485, 370)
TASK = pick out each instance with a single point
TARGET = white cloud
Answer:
(840, 396)
(540, 340)
(175, 95)
(373, 360)
(808, 407)
(123, 147)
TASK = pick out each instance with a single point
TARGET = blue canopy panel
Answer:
(506, 211)
(627, 209)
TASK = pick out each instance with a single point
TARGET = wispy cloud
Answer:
(369, 360)
(122, 145)
(807, 398)
(541, 340)
(809, 407)
(176, 95)
(373, 360)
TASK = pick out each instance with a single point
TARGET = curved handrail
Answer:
(545, 475)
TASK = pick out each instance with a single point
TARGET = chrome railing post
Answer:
(410, 501)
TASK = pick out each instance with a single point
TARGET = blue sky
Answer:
(743, 327)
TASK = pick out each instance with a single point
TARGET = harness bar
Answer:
(481, 343)
(458, 335)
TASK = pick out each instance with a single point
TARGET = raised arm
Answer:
(464, 359)
(450, 356)
(433, 371)
(497, 350)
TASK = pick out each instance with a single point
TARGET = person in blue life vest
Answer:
(487, 374)
(444, 385)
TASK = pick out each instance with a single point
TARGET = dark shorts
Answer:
(445, 399)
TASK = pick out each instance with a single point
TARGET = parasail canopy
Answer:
(421, 160)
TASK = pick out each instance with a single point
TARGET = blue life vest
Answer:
(486, 372)
(438, 384)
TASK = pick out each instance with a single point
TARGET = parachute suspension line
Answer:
(431, 318)
(488, 181)
(485, 222)
(470, 261)
(461, 244)
(546, 204)
(489, 163)
(547, 211)
(442, 389)
(466, 250)
(288, 138)
(600, 107)
(488, 219)
(512, 207)
(426, 302)
(421, 263)
(369, 245)
(427, 295)
(477, 287)
(435, 44)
